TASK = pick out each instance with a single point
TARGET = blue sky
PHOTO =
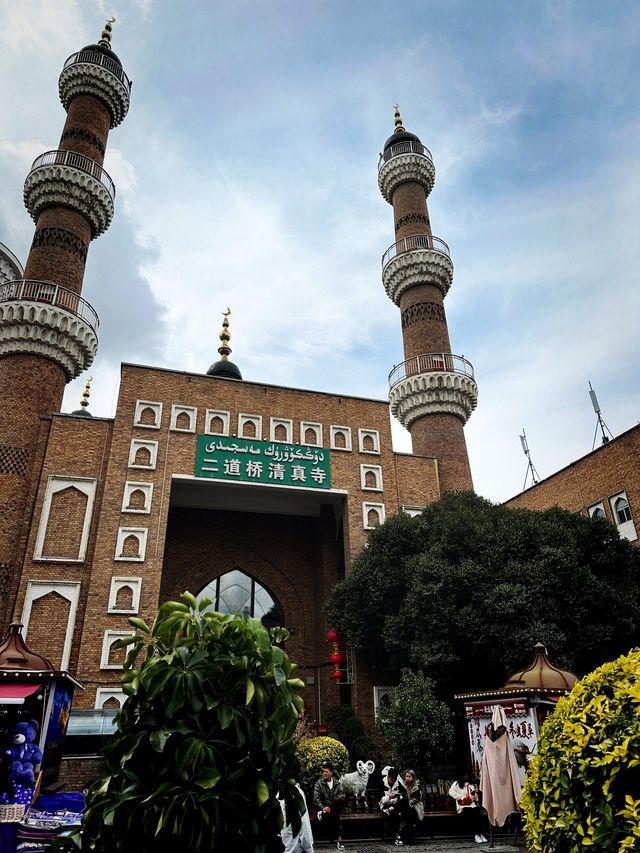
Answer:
(247, 177)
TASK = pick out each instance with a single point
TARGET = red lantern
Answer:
(332, 636)
(337, 674)
(336, 658)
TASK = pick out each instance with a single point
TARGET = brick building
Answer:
(255, 495)
(605, 483)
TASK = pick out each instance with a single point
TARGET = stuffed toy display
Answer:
(24, 754)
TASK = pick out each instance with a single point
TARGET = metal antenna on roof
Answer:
(600, 423)
(531, 468)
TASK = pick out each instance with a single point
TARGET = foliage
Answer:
(204, 740)
(314, 752)
(417, 725)
(583, 787)
(467, 588)
(304, 729)
(351, 733)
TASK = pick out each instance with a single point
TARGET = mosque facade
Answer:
(258, 496)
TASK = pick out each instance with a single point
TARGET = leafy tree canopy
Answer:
(467, 588)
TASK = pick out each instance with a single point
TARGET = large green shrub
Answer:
(417, 725)
(203, 742)
(314, 752)
(583, 787)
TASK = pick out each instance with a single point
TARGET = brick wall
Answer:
(593, 479)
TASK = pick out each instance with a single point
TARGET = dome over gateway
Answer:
(541, 674)
(225, 368)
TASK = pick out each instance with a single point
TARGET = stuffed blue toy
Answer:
(24, 754)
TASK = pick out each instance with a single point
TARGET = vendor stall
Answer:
(526, 698)
(35, 703)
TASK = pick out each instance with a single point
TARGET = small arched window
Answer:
(249, 429)
(622, 510)
(147, 416)
(143, 457)
(339, 440)
(598, 512)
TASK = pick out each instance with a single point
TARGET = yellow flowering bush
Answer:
(583, 787)
(316, 751)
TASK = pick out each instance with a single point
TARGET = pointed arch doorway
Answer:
(237, 592)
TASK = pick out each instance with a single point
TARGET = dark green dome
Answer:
(225, 368)
(83, 413)
(401, 136)
(100, 48)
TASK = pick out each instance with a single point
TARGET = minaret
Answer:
(433, 392)
(48, 332)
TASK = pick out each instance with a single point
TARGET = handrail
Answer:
(96, 58)
(77, 161)
(50, 294)
(432, 362)
(5, 250)
(418, 241)
(403, 148)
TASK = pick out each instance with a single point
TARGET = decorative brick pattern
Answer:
(422, 311)
(14, 460)
(60, 238)
(412, 219)
(85, 135)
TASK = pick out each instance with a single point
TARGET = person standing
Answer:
(414, 812)
(303, 841)
(329, 799)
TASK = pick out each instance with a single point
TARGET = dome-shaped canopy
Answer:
(225, 368)
(541, 674)
(101, 48)
(401, 136)
(14, 653)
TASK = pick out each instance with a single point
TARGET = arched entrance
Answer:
(238, 592)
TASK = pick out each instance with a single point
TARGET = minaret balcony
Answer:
(432, 384)
(42, 318)
(68, 179)
(10, 266)
(421, 259)
(404, 162)
(89, 72)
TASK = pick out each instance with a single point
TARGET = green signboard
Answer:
(248, 460)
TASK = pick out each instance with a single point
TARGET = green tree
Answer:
(464, 590)
(204, 741)
(583, 786)
(352, 734)
(417, 725)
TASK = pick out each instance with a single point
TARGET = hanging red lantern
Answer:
(336, 658)
(333, 636)
(337, 674)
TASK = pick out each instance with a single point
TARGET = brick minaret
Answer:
(48, 333)
(433, 392)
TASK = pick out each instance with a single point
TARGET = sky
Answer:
(246, 174)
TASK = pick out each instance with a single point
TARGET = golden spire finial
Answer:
(225, 337)
(85, 394)
(105, 36)
(399, 127)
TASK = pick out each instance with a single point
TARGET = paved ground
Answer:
(435, 845)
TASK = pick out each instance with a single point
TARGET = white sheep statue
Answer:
(356, 783)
